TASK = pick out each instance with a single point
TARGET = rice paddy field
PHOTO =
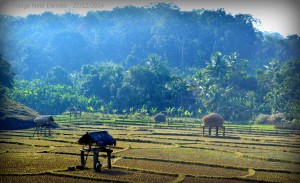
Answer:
(149, 152)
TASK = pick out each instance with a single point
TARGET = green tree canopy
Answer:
(6, 75)
(58, 75)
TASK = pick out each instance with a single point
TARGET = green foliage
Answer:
(288, 89)
(187, 113)
(153, 111)
(150, 89)
(170, 111)
(223, 87)
(58, 75)
(128, 35)
(180, 111)
(147, 60)
(6, 75)
(49, 99)
(261, 119)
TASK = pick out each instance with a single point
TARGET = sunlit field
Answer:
(153, 152)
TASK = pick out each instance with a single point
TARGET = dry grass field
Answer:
(152, 153)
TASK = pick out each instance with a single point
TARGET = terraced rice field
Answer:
(153, 153)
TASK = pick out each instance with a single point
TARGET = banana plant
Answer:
(153, 110)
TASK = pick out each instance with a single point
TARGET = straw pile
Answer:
(160, 118)
(213, 119)
(47, 119)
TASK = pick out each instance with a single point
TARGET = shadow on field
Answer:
(113, 172)
(223, 137)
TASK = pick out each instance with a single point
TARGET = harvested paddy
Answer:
(43, 179)
(20, 163)
(208, 157)
(116, 174)
(152, 154)
(276, 177)
(179, 168)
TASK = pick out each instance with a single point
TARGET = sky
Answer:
(280, 16)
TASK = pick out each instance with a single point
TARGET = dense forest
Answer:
(148, 60)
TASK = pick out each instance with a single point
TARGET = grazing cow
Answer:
(75, 111)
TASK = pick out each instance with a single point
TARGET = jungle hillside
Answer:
(147, 60)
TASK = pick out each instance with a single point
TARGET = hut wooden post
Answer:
(82, 157)
(203, 130)
(102, 139)
(97, 165)
(109, 158)
(213, 120)
(209, 130)
(43, 122)
(40, 130)
(48, 126)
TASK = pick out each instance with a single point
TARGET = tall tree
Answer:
(288, 79)
(6, 75)
(58, 75)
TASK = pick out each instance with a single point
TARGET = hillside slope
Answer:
(14, 115)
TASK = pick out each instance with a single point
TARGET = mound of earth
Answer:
(14, 115)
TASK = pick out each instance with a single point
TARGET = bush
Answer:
(276, 118)
(261, 119)
(160, 118)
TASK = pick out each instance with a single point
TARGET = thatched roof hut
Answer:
(160, 118)
(46, 119)
(213, 120)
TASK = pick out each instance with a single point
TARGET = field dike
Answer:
(179, 179)
(251, 172)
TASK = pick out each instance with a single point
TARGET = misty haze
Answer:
(147, 94)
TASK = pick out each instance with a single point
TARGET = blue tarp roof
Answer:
(102, 138)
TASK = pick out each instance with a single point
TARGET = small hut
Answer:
(213, 120)
(101, 141)
(75, 111)
(43, 122)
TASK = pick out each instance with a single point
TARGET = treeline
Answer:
(128, 35)
(107, 85)
(224, 86)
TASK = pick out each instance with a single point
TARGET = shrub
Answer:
(261, 119)
(275, 118)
